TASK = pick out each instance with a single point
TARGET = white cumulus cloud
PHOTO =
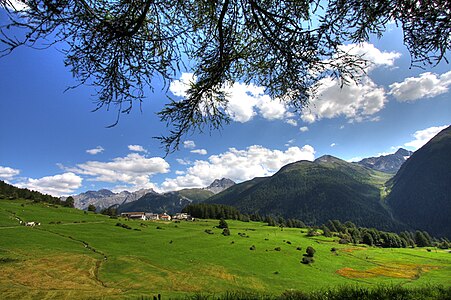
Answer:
(238, 165)
(189, 144)
(427, 85)
(374, 56)
(7, 173)
(137, 148)
(96, 150)
(133, 169)
(356, 102)
(303, 129)
(199, 151)
(179, 87)
(291, 122)
(421, 137)
(244, 100)
(57, 185)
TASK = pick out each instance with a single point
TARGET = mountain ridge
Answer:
(389, 163)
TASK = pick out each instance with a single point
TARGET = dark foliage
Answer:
(226, 231)
(11, 192)
(306, 260)
(310, 251)
(349, 233)
(223, 224)
(119, 47)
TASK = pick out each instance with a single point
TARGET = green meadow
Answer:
(79, 255)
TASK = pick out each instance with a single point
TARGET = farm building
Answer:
(152, 216)
(165, 217)
(134, 215)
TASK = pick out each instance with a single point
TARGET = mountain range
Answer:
(105, 198)
(314, 192)
(148, 199)
(387, 163)
(417, 197)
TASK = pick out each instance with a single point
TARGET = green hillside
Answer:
(314, 192)
(421, 190)
(79, 255)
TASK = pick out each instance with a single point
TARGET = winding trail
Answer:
(99, 262)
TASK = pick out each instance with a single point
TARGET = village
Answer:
(153, 216)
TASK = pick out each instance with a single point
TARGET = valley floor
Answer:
(78, 255)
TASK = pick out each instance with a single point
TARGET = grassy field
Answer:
(74, 254)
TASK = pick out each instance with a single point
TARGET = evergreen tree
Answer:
(310, 251)
(70, 202)
(223, 224)
(421, 240)
(368, 239)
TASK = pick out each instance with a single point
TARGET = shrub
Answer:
(252, 247)
(288, 242)
(307, 260)
(223, 224)
(310, 251)
(226, 232)
(209, 231)
(299, 248)
(277, 249)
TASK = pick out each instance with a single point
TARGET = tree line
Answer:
(11, 192)
(346, 232)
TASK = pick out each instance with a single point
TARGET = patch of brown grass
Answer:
(56, 274)
(406, 271)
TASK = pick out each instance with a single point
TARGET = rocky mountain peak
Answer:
(218, 185)
(387, 163)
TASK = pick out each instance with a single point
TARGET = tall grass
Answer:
(381, 292)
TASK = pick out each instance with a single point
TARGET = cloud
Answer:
(179, 87)
(199, 151)
(238, 165)
(137, 148)
(303, 129)
(244, 100)
(96, 150)
(16, 5)
(57, 185)
(292, 122)
(290, 142)
(7, 173)
(428, 85)
(189, 144)
(356, 102)
(374, 56)
(333, 145)
(133, 169)
(183, 162)
(423, 136)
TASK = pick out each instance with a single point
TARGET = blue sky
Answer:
(51, 141)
